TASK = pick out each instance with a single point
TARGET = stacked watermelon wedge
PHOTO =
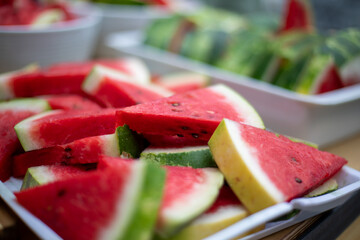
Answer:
(120, 159)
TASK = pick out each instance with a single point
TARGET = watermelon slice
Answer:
(59, 127)
(195, 157)
(298, 16)
(226, 210)
(67, 78)
(70, 102)
(132, 67)
(117, 90)
(40, 175)
(263, 169)
(75, 207)
(182, 81)
(123, 142)
(5, 87)
(193, 114)
(82, 151)
(11, 113)
(188, 193)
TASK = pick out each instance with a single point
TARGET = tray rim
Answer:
(308, 207)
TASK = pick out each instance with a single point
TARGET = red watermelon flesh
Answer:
(81, 207)
(10, 114)
(188, 193)
(265, 166)
(226, 198)
(59, 127)
(297, 16)
(194, 114)
(67, 78)
(70, 102)
(82, 151)
(132, 67)
(114, 90)
(163, 141)
(328, 81)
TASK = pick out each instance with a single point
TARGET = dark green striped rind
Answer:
(195, 157)
(131, 143)
(143, 220)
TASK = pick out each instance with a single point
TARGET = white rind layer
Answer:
(110, 145)
(248, 155)
(41, 174)
(23, 129)
(190, 206)
(174, 150)
(138, 70)
(26, 104)
(97, 75)
(243, 107)
(181, 78)
(126, 203)
(351, 70)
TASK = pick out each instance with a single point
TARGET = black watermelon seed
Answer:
(298, 180)
(195, 135)
(179, 135)
(67, 149)
(185, 128)
(175, 104)
(61, 193)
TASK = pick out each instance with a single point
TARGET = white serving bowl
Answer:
(67, 41)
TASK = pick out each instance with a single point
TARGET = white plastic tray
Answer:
(348, 180)
(322, 119)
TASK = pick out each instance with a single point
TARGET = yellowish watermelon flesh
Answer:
(263, 169)
(225, 211)
(194, 114)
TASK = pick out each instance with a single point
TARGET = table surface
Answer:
(349, 149)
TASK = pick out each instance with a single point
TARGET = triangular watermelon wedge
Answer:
(67, 78)
(59, 127)
(120, 202)
(194, 114)
(264, 169)
(297, 16)
(11, 113)
(117, 90)
(188, 193)
(123, 142)
(70, 102)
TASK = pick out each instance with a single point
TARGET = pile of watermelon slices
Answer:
(108, 152)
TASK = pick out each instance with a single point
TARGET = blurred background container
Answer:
(73, 40)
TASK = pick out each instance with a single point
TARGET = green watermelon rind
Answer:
(25, 104)
(195, 157)
(130, 143)
(147, 205)
(22, 129)
(240, 104)
(186, 209)
(128, 214)
(36, 176)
